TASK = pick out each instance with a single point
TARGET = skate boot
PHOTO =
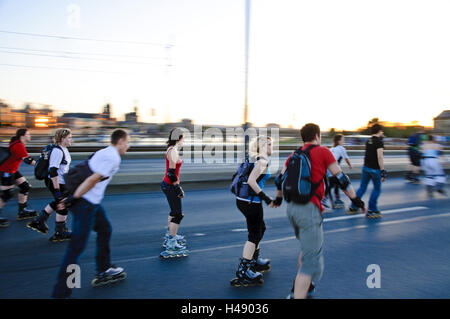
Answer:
(309, 294)
(180, 239)
(352, 211)
(39, 223)
(174, 249)
(339, 204)
(440, 189)
(373, 214)
(61, 233)
(4, 222)
(113, 274)
(245, 276)
(261, 264)
(25, 213)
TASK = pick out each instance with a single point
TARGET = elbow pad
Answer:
(171, 175)
(53, 172)
(28, 160)
(343, 181)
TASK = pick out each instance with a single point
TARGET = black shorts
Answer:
(9, 179)
(414, 156)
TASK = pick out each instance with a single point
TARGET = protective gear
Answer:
(6, 195)
(179, 191)
(28, 160)
(53, 172)
(171, 175)
(278, 201)
(278, 181)
(57, 195)
(265, 198)
(24, 188)
(357, 202)
(177, 219)
(343, 181)
(383, 173)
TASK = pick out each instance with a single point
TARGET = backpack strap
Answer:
(87, 162)
(64, 156)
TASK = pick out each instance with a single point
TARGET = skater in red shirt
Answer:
(11, 176)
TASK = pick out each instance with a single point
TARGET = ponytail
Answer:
(19, 133)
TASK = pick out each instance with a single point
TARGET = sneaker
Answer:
(374, 214)
(309, 294)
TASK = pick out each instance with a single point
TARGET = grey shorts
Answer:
(307, 222)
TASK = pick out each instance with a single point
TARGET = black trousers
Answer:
(254, 215)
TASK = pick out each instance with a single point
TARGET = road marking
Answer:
(239, 229)
(409, 220)
(198, 234)
(386, 212)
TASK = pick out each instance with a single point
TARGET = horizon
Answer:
(186, 60)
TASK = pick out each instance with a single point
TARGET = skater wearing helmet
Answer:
(88, 214)
(174, 244)
(434, 173)
(10, 176)
(251, 265)
(59, 163)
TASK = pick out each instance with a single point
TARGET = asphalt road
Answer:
(411, 244)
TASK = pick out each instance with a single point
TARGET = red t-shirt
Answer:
(18, 152)
(321, 157)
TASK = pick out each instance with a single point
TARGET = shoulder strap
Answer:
(64, 156)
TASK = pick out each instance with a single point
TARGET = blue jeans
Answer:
(367, 175)
(86, 216)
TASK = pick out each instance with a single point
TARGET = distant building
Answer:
(132, 117)
(442, 123)
(84, 120)
(27, 117)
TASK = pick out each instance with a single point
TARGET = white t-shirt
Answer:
(56, 158)
(105, 162)
(339, 152)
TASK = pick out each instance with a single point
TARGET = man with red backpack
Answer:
(301, 183)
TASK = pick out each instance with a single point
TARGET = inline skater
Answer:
(414, 143)
(434, 173)
(88, 213)
(340, 153)
(306, 215)
(251, 265)
(373, 169)
(174, 244)
(59, 163)
(10, 176)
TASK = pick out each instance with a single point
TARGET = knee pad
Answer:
(24, 188)
(63, 212)
(6, 195)
(177, 218)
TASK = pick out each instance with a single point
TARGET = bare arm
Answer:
(260, 167)
(55, 181)
(173, 157)
(348, 163)
(87, 185)
(380, 158)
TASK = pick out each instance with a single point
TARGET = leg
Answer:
(83, 219)
(104, 230)
(376, 179)
(365, 178)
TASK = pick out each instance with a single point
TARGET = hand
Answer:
(277, 202)
(179, 191)
(66, 202)
(383, 175)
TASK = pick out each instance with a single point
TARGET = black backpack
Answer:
(43, 162)
(78, 174)
(5, 152)
(297, 184)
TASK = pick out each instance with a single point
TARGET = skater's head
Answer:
(23, 135)
(176, 137)
(120, 140)
(376, 129)
(260, 147)
(311, 133)
(63, 137)
(338, 139)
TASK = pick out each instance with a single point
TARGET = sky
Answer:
(335, 63)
